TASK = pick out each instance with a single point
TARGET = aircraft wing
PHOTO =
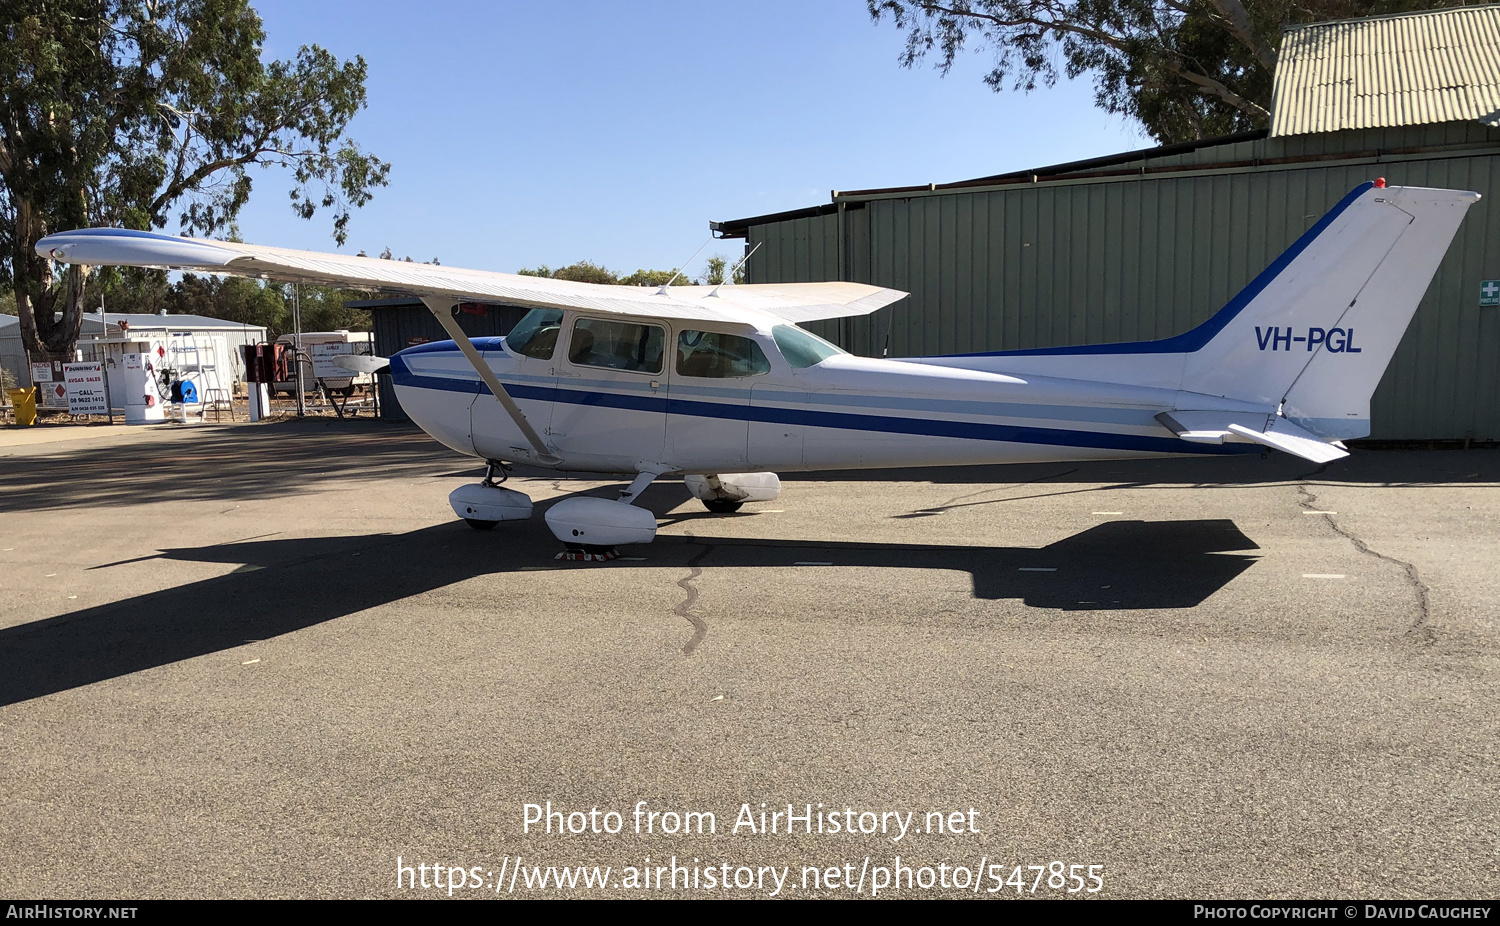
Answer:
(792, 302)
(1271, 430)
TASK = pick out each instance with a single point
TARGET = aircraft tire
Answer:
(479, 525)
(719, 506)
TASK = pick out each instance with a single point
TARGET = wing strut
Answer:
(442, 309)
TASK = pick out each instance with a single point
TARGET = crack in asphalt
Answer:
(952, 503)
(1419, 628)
(684, 609)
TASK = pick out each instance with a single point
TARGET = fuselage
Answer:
(614, 395)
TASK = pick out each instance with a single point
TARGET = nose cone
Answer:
(436, 387)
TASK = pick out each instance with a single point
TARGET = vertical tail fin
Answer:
(1314, 333)
(1310, 337)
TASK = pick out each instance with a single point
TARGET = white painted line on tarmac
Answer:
(1320, 512)
(1322, 575)
(1037, 569)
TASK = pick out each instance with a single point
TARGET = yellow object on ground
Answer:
(25, 402)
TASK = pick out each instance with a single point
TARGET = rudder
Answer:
(1315, 332)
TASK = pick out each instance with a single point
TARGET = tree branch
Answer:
(1238, 23)
(1219, 90)
(1050, 24)
(1000, 23)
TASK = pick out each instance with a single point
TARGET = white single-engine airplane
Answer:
(718, 384)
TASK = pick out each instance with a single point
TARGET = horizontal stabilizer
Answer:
(1283, 435)
(1210, 427)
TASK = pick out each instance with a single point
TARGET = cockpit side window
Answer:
(802, 349)
(535, 335)
(617, 345)
(720, 356)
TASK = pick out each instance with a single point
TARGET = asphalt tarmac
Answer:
(267, 661)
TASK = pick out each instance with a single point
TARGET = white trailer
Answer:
(315, 353)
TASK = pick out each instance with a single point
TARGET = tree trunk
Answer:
(50, 310)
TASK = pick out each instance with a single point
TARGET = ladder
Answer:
(199, 363)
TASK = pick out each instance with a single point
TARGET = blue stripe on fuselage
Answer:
(690, 390)
(820, 418)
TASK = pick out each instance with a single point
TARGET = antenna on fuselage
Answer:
(678, 272)
(729, 277)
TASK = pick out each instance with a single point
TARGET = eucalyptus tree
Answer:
(147, 114)
(1185, 69)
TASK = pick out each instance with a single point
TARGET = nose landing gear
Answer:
(726, 493)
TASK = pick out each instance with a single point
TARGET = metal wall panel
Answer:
(395, 327)
(1096, 260)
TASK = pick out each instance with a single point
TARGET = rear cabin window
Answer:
(535, 335)
(720, 356)
(800, 348)
(617, 345)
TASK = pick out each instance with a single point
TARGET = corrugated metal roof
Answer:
(13, 321)
(1413, 69)
(173, 322)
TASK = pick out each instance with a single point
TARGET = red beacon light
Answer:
(1379, 183)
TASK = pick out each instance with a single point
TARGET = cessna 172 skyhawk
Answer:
(718, 384)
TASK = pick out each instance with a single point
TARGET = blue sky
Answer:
(523, 133)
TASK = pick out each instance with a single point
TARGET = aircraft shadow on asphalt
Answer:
(1365, 466)
(285, 585)
(272, 461)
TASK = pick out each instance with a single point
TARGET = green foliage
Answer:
(250, 302)
(142, 113)
(654, 278)
(1185, 69)
(586, 271)
(7, 303)
(246, 301)
(713, 272)
(323, 309)
(129, 289)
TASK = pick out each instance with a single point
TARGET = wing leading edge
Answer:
(793, 302)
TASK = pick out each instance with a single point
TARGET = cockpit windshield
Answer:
(535, 335)
(802, 349)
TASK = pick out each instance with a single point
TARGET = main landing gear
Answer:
(591, 528)
(726, 493)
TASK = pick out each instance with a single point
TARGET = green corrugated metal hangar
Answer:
(1148, 244)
